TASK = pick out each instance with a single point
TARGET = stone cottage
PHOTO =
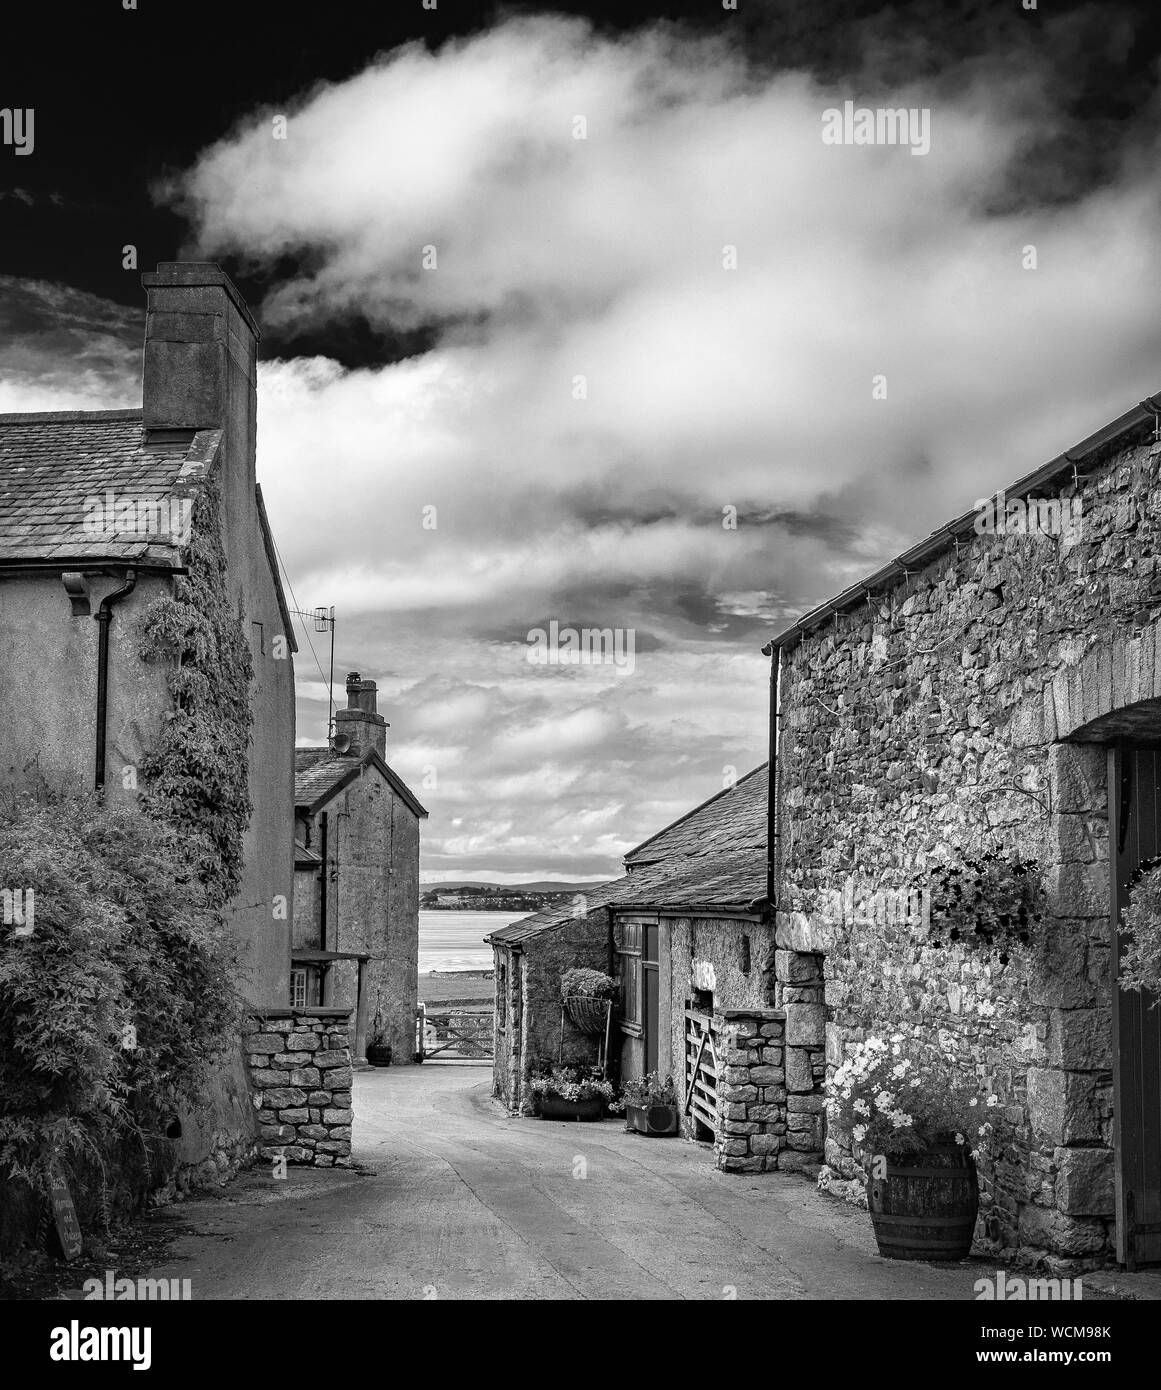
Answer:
(356, 901)
(97, 517)
(689, 938)
(996, 689)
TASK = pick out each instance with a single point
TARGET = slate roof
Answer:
(712, 857)
(320, 774)
(52, 464)
(733, 819)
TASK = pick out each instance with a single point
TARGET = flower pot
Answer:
(924, 1207)
(379, 1054)
(651, 1119)
(556, 1108)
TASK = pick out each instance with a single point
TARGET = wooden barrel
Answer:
(924, 1208)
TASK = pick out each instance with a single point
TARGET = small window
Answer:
(298, 989)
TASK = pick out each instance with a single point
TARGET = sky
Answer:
(571, 315)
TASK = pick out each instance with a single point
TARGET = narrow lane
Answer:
(455, 1199)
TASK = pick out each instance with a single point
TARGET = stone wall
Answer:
(926, 726)
(750, 1133)
(300, 1069)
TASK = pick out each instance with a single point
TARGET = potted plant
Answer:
(586, 995)
(378, 1048)
(650, 1104)
(565, 1095)
(909, 1114)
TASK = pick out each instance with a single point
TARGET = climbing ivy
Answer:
(196, 776)
(993, 902)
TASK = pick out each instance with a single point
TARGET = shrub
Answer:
(896, 1105)
(649, 1089)
(115, 1007)
(568, 1084)
(1141, 932)
(993, 902)
(581, 983)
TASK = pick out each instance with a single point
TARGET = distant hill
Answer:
(540, 885)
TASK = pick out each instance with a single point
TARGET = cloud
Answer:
(599, 397)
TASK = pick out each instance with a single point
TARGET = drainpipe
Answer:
(773, 858)
(104, 617)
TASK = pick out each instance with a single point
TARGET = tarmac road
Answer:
(457, 1200)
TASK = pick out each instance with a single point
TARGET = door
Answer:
(651, 991)
(1135, 811)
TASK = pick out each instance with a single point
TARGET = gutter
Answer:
(104, 617)
(772, 827)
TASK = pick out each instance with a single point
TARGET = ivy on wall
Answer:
(196, 776)
(119, 995)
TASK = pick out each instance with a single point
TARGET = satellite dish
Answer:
(342, 742)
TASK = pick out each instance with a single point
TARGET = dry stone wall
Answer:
(300, 1068)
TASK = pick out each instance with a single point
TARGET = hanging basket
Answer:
(588, 1013)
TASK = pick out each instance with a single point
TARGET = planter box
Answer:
(651, 1119)
(554, 1108)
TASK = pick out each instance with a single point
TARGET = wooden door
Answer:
(1135, 821)
(651, 989)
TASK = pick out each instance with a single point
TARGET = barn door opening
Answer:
(1135, 823)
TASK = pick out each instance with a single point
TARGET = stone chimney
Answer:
(201, 349)
(360, 721)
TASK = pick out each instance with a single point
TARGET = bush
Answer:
(649, 1089)
(581, 983)
(896, 1104)
(568, 1084)
(115, 1007)
(1141, 931)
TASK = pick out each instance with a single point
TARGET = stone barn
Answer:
(704, 994)
(996, 690)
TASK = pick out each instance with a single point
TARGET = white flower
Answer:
(974, 1100)
(993, 1100)
(914, 1081)
(883, 1100)
(983, 1130)
(959, 1139)
(895, 1051)
(899, 1071)
(862, 1108)
(860, 1133)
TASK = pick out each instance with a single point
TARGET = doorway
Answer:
(1135, 825)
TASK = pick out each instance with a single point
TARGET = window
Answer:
(298, 989)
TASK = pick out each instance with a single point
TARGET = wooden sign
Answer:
(68, 1228)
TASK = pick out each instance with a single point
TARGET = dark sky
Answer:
(124, 96)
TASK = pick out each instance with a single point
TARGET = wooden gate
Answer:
(456, 1033)
(701, 1069)
(1135, 814)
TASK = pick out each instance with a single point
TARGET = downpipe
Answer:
(104, 617)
